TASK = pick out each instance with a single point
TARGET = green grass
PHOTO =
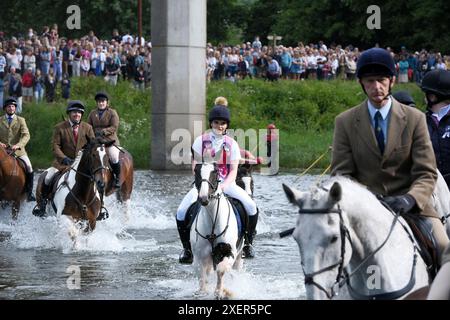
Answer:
(303, 111)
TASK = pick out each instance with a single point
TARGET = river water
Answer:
(139, 259)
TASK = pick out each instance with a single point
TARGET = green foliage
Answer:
(101, 16)
(414, 23)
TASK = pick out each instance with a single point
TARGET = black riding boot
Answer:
(39, 209)
(186, 256)
(29, 186)
(249, 236)
(116, 171)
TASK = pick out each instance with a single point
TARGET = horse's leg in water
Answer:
(15, 209)
(238, 262)
(123, 196)
(224, 266)
(204, 271)
(73, 230)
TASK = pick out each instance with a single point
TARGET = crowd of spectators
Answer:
(40, 65)
(312, 61)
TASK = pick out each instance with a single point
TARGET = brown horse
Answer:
(123, 194)
(78, 192)
(12, 180)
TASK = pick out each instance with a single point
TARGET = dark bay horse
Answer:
(78, 192)
(123, 194)
(12, 180)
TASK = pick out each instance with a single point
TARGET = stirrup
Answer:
(103, 214)
(186, 257)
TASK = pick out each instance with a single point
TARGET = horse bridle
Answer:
(91, 177)
(343, 277)
(212, 236)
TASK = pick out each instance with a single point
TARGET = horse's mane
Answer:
(86, 148)
(353, 193)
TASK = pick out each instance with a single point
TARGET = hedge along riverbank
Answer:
(303, 111)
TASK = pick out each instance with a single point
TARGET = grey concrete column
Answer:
(178, 77)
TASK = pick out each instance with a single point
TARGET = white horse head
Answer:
(351, 246)
(214, 232)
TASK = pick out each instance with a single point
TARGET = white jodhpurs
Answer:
(50, 173)
(27, 162)
(188, 199)
(233, 190)
(113, 154)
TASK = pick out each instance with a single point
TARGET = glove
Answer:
(67, 161)
(401, 204)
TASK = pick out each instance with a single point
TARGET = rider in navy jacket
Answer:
(436, 85)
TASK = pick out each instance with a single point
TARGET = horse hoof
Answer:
(223, 296)
(39, 213)
(200, 293)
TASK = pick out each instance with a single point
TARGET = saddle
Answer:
(22, 164)
(423, 233)
(53, 183)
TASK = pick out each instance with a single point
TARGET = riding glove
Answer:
(67, 161)
(401, 204)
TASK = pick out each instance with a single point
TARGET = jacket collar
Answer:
(396, 125)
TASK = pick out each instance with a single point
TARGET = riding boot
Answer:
(116, 171)
(186, 256)
(249, 236)
(39, 209)
(29, 186)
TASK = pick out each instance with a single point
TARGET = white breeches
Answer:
(27, 162)
(50, 173)
(113, 154)
(233, 191)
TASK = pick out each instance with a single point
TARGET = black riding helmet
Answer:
(9, 101)
(75, 105)
(375, 62)
(404, 97)
(101, 95)
(438, 83)
(220, 112)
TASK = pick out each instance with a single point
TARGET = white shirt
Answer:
(442, 112)
(217, 144)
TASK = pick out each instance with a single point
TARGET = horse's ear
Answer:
(292, 195)
(336, 192)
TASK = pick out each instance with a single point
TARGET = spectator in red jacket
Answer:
(27, 85)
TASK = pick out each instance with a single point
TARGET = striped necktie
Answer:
(75, 132)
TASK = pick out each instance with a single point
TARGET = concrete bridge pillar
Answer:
(178, 76)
